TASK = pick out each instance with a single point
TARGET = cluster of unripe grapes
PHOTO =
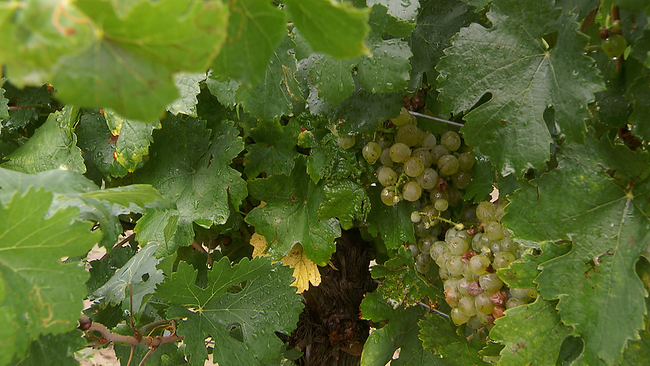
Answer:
(468, 260)
(418, 167)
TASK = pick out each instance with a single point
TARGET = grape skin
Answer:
(371, 152)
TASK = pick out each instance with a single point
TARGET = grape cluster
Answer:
(468, 260)
(415, 166)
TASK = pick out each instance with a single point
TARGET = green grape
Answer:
(450, 283)
(467, 306)
(463, 234)
(388, 197)
(482, 318)
(438, 194)
(463, 284)
(443, 274)
(507, 245)
(437, 152)
(479, 263)
(617, 25)
(428, 179)
(493, 230)
(437, 249)
(346, 142)
(450, 140)
(474, 322)
(452, 296)
(455, 265)
(465, 161)
(413, 166)
(479, 242)
(462, 178)
(424, 155)
(399, 152)
(408, 134)
(513, 302)
(414, 250)
(385, 159)
(458, 317)
(502, 260)
(614, 46)
(412, 191)
(422, 268)
(457, 246)
(483, 303)
(386, 176)
(425, 243)
(402, 119)
(485, 211)
(423, 258)
(490, 282)
(415, 217)
(447, 165)
(427, 140)
(441, 204)
(454, 196)
(371, 152)
(421, 229)
(522, 294)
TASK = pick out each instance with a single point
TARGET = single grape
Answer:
(438, 194)
(427, 140)
(458, 317)
(422, 229)
(485, 211)
(480, 242)
(483, 303)
(465, 161)
(493, 230)
(437, 249)
(463, 285)
(346, 142)
(452, 296)
(466, 305)
(423, 258)
(385, 159)
(422, 268)
(450, 140)
(399, 152)
(513, 302)
(415, 217)
(479, 263)
(437, 152)
(424, 155)
(412, 191)
(474, 322)
(402, 119)
(408, 134)
(521, 294)
(457, 246)
(614, 46)
(455, 266)
(617, 25)
(388, 197)
(462, 178)
(413, 166)
(452, 282)
(428, 179)
(455, 196)
(414, 250)
(441, 204)
(443, 274)
(425, 243)
(490, 282)
(502, 260)
(371, 152)
(386, 176)
(447, 165)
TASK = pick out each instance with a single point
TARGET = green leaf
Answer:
(255, 29)
(404, 10)
(133, 141)
(606, 219)
(522, 273)
(360, 113)
(103, 269)
(384, 23)
(43, 294)
(332, 78)
(387, 68)
(337, 29)
(52, 146)
(639, 94)
(632, 5)
(290, 215)
(400, 332)
(51, 349)
(242, 306)
(437, 22)
(4, 109)
(392, 223)
(130, 58)
(224, 90)
(278, 91)
(188, 86)
(440, 336)
(34, 38)
(532, 334)
(199, 181)
(166, 229)
(512, 62)
(98, 146)
(346, 201)
(137, 278)
(637, 351)
(274, 149)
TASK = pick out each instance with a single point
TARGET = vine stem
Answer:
(108, 336)
(417, 114)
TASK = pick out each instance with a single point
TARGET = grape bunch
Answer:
(468, 260)
(416, 167)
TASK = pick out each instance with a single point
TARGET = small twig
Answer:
(107, 336)
(119, 244)
(432, 309)
(18, 107)
(151, 350)
(436, 119)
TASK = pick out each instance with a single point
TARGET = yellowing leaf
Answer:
(304, 270)
(259, 244)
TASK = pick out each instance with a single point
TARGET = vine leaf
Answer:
(134, 138)
(362, 111)
(640, 96)
(330, 27)
(130, 57)
(52, 146)
(332, 78)
(242, 306)
(57, 349)
(188, 86)
(345, 200)
(290, 215)
(304, 270)
(440, 336)
(400, 332)
(199, 181)
(4, 108)
(137, 278)
(37, 287)
(384, 23)
(532, 334)
(255, 29)
(604, 212)
(512, 62)
(522, 273)
(274, 149)
(392, 223)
